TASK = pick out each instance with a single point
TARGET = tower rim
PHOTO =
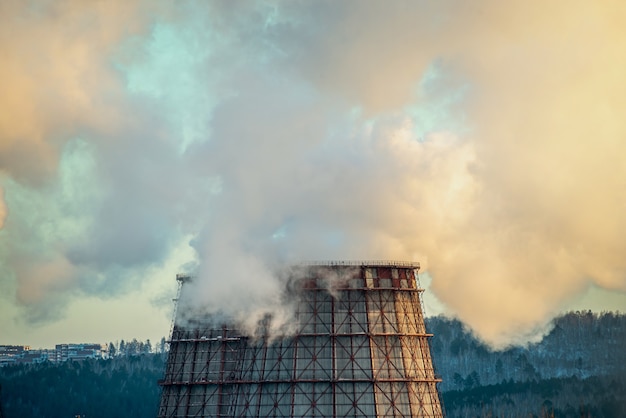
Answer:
(360, 263)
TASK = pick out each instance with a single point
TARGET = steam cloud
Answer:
(485, 141)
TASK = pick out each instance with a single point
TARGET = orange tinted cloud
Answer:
(503, 176)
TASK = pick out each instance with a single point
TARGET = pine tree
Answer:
(112, 350)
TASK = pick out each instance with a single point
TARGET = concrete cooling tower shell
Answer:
(360, 350)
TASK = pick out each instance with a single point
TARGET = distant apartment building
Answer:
(36, 356)
(79, 351)
(9, 354)
(20, 354)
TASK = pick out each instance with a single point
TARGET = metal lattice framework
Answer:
(361, 350)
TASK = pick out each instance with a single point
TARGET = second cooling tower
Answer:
(360, 350)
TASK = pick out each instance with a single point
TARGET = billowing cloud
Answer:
(3, 208)
(482, 140)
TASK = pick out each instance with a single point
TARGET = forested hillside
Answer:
(119, 387)
(580, 344)
(577, 370)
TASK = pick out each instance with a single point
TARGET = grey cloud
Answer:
(269, 137)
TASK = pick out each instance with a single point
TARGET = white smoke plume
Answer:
(483, 140)
(3, 208)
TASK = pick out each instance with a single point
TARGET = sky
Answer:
(140, 139)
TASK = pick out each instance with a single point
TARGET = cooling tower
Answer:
(360, 349)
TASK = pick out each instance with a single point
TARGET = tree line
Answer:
(135, 347)
(577, 370)
(117, 387)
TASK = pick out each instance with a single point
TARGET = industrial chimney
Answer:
(360, 350)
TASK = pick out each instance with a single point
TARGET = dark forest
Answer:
(577, 370)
